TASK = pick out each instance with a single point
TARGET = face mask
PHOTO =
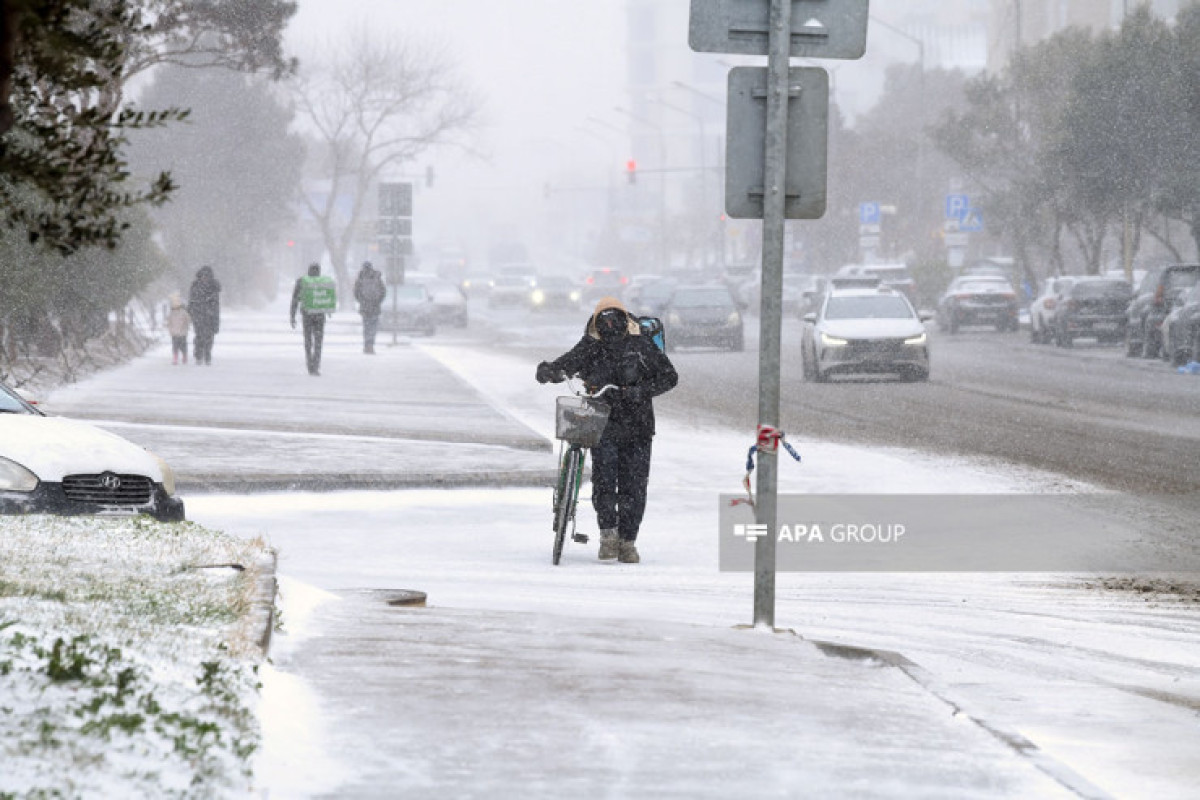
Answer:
(611, 325)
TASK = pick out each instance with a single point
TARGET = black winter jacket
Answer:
(634, 363)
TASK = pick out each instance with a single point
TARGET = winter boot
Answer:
(628, 553)
(609, 544)
(175, 358)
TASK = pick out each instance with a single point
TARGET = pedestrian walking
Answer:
(204, 307)
(315, 297)
(614, 351)
(369, 291)
(178, 324)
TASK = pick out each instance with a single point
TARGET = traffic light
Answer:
(429, 176)
(631, 170)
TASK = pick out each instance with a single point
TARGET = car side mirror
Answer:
(810, 317)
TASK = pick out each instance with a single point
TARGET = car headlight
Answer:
(832, 341)
(538, 297)
(575, 297)
(16, 478)
(168, 475)
(733, 319)
(918, 339)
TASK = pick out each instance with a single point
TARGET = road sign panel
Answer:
(869, 213)
(393, 226)
(820, 28)
(972, 221)
(395, 200)
(807, 143)
(956, 206)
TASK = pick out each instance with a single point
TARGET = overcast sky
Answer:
(543, 67)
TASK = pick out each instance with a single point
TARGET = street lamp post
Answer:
(704, 200)
(663, 251)
(720, 237)
(921, 181)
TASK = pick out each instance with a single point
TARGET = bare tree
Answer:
(375, 103)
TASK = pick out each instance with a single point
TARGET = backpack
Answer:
(318, 294)
(653, 327)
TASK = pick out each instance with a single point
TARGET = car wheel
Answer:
(1035, 332)
(916, 375)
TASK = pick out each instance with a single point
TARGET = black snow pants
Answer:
(314, 337)
(620, 473)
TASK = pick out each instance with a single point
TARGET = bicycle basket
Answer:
(580, 420)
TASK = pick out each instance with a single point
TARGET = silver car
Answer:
(857, 331)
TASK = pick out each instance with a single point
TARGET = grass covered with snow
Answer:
(128, 658)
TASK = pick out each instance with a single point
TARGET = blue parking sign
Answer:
(868, 213)
(956, 206)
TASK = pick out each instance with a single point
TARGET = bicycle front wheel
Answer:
(565, 498)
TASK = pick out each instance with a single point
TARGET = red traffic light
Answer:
(631, 170)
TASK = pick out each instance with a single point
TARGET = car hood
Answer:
(53, 447)
(872, 328)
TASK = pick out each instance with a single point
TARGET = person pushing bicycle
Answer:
(614, 351)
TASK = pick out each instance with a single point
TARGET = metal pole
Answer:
(770, 321)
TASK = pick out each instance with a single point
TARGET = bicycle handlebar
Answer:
(585, 393)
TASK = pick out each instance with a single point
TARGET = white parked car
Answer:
(53, 465)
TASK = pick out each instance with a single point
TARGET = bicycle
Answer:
(579, 422)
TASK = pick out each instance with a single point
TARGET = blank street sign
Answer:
(820, 28)
(807, 143)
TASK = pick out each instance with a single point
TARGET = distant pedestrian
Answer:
(178, 323)
(204, 306)
(369, 291)
(315, 297)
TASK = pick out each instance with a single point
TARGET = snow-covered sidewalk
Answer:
(606, 680)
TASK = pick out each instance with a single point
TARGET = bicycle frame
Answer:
(572, 458)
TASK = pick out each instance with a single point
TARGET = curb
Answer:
(1061, 773)
(262, 608)
(201, 484)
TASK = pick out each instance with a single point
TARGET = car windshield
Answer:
(9, 404)
(868, 307)
(890, 274)
(511, 280)
(983, 286)
(410, 292)
(554, 282)
(702, 298)
(1101, 289)
(1182, 279)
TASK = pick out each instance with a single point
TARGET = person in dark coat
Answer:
(369, 291)
(204, 307)
(614, 351)
(314, 324)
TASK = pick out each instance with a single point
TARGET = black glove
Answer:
(546, 373)
(631, 394)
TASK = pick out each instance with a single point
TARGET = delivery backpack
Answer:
(318, 294)
(653, 327)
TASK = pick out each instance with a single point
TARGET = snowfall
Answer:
(519, 678)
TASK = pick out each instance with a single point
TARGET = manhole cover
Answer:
(406, 597)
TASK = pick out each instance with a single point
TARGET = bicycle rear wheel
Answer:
(565, 497)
